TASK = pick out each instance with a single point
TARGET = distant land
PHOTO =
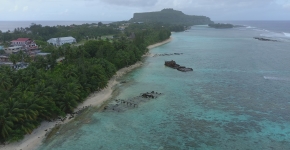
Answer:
(220, 25)
(171, 16)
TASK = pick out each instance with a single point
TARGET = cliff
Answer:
(172, 17)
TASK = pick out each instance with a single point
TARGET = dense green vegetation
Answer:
(47, 89)
(44, 33)
(220, 26)
(171, 16)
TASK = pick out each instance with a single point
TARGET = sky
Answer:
(117, 10)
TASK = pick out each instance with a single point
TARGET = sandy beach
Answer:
(159, 44)
(34, 140)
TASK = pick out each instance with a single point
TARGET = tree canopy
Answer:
(47, 89)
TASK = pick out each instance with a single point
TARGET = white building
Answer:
(13, 50)
(61, 40)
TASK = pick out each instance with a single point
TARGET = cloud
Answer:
(64, 12)
(135, 3)
(124, 9)
(15, 8)
(25, 8)
(287, 6)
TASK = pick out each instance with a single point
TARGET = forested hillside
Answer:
(171, 16)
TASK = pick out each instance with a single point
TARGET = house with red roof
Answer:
(26, 43)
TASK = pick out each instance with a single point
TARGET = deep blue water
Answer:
(275, 26)
(275, 29)
(237, 97)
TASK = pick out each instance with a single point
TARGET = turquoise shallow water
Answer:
(237, 97)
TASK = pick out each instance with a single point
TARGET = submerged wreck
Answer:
(174, 65)
(121, 105)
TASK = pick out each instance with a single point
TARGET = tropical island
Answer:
(170, 16)
(174, 19)
(54, 85)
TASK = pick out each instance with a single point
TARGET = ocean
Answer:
(11, 25)
(237, 97)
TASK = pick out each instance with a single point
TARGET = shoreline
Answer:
(34, 140)
(160, 43)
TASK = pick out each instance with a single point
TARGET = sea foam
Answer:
(286, 34)
(250, 27)
(276, 78)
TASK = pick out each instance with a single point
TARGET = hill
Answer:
(171, 16)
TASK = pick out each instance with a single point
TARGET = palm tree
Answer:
(27, 59)
(20, 55)
(6, 85)
(6, 123)
(70, 71)
(21, 87)
(5, 82)
(31, 105)
(42, 91)
(13, 58)
(71, 97)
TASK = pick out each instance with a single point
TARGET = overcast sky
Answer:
(115, 10)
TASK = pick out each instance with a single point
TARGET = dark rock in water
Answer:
(123, 82)
(147, 95)
(171, 64)
(264, 39)
(174, 65)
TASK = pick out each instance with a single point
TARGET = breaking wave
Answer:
(280, 36)
(276, 78)
(250, 27)
(286, 34)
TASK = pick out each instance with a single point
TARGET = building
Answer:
(42, 54)
(4, 58)
(10, 64)
(123, 26)
(26, 43)
(61, 40)
(1, 47)
(13, 49)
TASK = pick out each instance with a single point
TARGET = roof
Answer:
(2, 56)
(15, 47)
(61, 39)
(22, 39)
(42, 54)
